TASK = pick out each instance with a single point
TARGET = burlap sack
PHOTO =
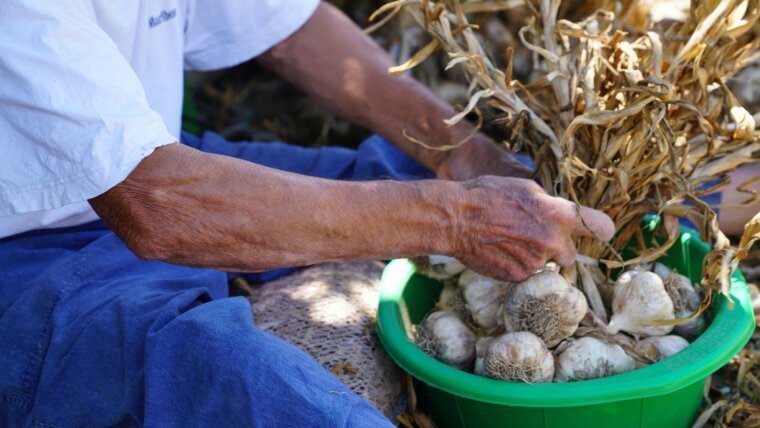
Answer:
(330, 312)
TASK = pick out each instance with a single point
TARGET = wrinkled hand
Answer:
(508, 228)
(477, 157)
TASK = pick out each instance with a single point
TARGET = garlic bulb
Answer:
(627, 276)
(689, 330)
(449, 299)
(754, 295)
(662, 271)
(519, 356)
(682, 292)
(590, 358)
(445, 337)
(607, 289)
(686, 301)
(660, 347)
(482, 296)
(545, 305)
(481, 346)
(639, 299)
(438, 267)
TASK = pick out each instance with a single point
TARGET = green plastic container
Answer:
(666, 394)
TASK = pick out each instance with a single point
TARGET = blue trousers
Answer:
(93, 336)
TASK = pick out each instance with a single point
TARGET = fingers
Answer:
(566, 253)
(590, 222)
(596, 222)
(541, 228)
(584, 222)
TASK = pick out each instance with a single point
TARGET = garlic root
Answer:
(545, 305)
(519, 356)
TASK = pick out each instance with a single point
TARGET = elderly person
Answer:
(116, 230)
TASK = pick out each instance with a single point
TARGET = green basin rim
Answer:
(729, 331)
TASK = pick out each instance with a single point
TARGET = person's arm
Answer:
(336, 64)
(192, 208)
(183, 206)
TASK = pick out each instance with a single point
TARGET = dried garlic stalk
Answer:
(625, 120)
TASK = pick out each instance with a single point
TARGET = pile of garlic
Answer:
(541, 329)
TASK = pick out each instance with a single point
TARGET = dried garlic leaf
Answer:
(416, 59)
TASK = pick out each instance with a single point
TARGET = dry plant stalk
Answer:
(631, 123)
(733, 395)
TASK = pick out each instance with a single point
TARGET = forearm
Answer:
(197, 209)
(343, 69)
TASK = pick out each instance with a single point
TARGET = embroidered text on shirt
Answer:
(163, 17)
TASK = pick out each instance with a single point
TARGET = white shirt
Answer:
(88, 88)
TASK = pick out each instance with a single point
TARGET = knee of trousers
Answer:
(211, 365)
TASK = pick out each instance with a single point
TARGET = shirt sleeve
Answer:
(223, 33)
(74, 120)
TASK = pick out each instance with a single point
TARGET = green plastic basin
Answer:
(666, 394)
